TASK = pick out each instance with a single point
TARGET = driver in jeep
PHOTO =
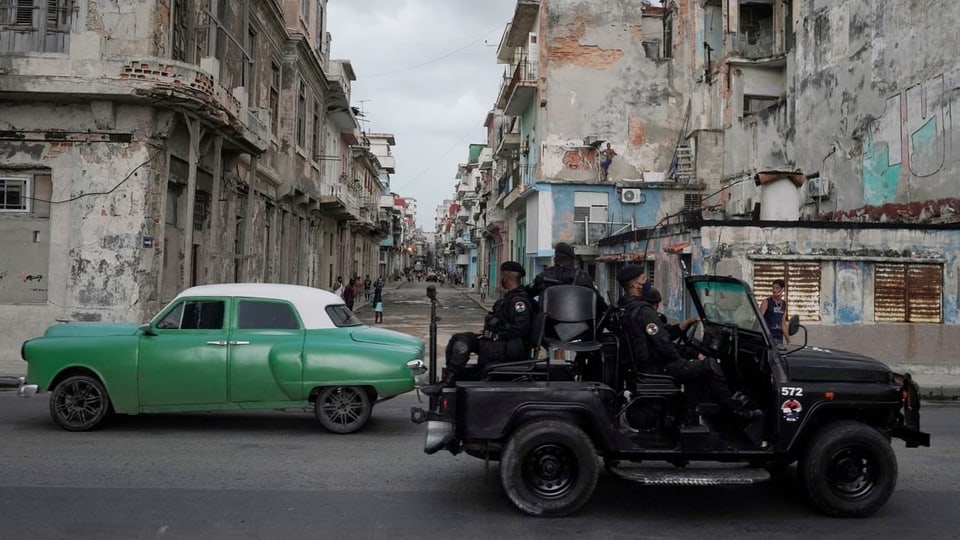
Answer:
(651, 342)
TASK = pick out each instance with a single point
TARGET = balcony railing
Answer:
(519, 81)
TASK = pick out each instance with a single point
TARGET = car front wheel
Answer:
(849, 470)
(343, 409)
(79, 403)
(549, 468)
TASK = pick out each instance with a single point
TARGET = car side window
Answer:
(194, 315)
(254, 315)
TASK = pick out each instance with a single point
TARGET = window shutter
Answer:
(803, 286)
(890, 293)
(924, 293)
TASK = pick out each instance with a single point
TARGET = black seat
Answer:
(569, 318)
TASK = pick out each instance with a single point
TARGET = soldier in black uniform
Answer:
(506, 331)
(651, 340)
(564, 272)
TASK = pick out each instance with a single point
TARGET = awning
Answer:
(682, 247)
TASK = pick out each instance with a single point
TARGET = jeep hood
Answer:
(829, 365)
(91, 329)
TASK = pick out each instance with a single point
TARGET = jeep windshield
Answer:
(725, 301)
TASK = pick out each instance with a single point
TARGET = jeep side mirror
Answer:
(794, 325)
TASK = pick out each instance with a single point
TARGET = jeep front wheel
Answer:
(849, 470)
(549, 468)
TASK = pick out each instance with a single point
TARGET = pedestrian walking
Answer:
(338, 287)
(350, 294)
(378, 304)
(484, 284)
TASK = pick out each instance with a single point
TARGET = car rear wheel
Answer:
(849, 470)
(79, 403)
(343, 409)
(549, 468)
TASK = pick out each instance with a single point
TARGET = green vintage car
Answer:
(225, 347)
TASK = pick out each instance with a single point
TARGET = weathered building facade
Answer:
(808, 140)
(149, 146)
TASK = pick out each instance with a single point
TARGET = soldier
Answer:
(651, 341)
(564, 272)
(506, 331)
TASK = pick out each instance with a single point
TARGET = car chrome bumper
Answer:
(419, 370)
(26, 390)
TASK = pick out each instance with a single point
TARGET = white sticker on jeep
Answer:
(792, 391)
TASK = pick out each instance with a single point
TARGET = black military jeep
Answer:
(550, 424)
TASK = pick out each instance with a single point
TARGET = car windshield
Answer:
(727, 303)
(342, 316)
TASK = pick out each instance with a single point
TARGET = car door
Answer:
(183, 359)
(265, 351)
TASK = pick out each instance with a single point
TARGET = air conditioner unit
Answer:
(632, 196)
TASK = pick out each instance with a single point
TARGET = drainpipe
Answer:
(193, 126)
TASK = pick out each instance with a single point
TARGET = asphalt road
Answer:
(279, 475)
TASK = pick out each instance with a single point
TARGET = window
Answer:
(15, 195)
(668, 34)
(266, 316)
(275, 96)
(194, 315)
(315, 145)
(41, 26)
(305, 10)
(250, 67)
(180, 20)
(755, 104)
(341, 316)
(802, 286)
(201, 209)
(908, 293)
(302, 115)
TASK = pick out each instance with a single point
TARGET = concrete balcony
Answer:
(518, 88)
(518, 29)
(339, 203)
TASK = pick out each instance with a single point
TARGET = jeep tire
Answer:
(549, 468)
(849, 470)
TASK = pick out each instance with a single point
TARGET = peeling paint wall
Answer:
(599, 82)
(848, 258)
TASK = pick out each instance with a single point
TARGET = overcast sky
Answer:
(426, 72)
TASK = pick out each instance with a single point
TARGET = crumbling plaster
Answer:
(872, 105)
(596, 75)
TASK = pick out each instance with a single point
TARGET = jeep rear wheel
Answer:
(849, 470)
(549, 468)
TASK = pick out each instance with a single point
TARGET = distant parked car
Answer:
(224, 347)
(432, 276)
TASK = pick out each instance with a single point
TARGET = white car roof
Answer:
(309, 301)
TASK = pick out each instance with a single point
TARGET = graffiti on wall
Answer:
(915, 135)
(579, 159)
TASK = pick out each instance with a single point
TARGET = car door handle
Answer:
(220, 343)
(239, 343)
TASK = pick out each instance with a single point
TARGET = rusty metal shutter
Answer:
(908, 293)
(803, 286)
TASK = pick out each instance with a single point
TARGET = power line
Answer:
(434, 163)
(428, 62)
